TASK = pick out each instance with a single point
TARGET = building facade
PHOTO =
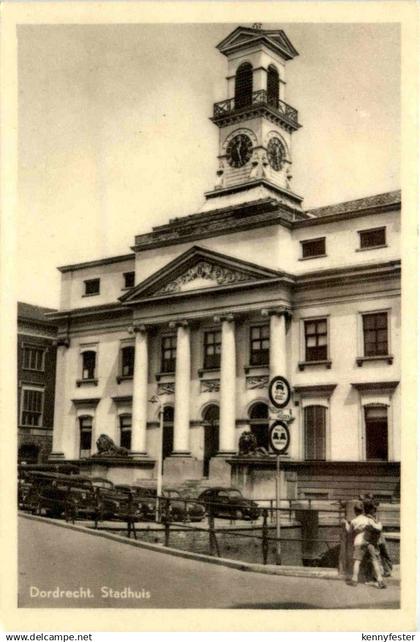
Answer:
(36, 357)
(169, 349)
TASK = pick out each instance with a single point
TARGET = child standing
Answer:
(367, 531)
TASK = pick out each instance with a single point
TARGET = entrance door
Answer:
(211, 436)
(259, 423)
(376, 426)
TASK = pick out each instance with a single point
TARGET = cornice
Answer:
(96, 263)
(345, 275)
(371, 386)
(318, 389)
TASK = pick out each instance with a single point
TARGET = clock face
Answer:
(239, 150)
(275, 153)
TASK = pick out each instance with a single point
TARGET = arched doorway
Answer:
(258, 420)
(211, 436)
(168, 432)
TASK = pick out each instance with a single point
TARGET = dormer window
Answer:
(92, 287)
(273, 84)
(243, 86)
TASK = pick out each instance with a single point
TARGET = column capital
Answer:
(184, 323)
(278, 311)
(138, 328)
(218, 318)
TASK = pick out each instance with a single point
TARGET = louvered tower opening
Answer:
(273, 87)
(243, 86)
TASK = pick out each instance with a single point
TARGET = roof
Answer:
(387, 198)
(96, 262)
(34, 313)
(243, 37)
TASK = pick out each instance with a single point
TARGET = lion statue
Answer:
(248, 445)
(107, 448)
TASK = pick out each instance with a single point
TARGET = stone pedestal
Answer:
(220, 471)
(178, 468)
(119, 470)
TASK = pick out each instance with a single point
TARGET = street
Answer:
(100, 573)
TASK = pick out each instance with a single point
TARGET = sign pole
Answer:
(159, 464)
(278, 543)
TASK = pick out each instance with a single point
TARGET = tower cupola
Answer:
(255, 122)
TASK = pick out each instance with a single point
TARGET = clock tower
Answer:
(255, 123)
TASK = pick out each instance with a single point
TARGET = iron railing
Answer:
(257, 99)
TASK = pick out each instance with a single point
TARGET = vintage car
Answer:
(174, 505)
(56, 495)
(115, 502)
(229, 502)
(182, 508)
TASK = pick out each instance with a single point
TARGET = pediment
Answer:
(245, 36)
(197, 270)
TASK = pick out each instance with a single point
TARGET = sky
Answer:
(115, 137)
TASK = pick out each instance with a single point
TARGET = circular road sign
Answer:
(279, 392)
(279, 437)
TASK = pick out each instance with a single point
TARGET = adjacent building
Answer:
(169, 348)
(36, 359)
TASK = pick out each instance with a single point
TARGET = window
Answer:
(127, 361)
(260, 345)
(372, 238)
(92, 287)
(376, 427)
(33, 358)
(273, 86)
(315, 432)
(212, 349)
(313, 248)
(168, 353)
(129, 279)
(375, 334)
(243, 86)
(316, 340)
(89, 364)
(32, 407)
(85, 424)
(168, 432)
(125, 431)
(258, 419)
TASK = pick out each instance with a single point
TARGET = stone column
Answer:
(227, 386)
(60, 396)
(140, 381)
(278, 354)
(182, 390)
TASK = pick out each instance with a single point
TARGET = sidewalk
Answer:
(269, 569)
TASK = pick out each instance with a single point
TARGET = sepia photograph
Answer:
(209, 345)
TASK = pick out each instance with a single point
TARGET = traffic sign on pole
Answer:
(279, 392)
(279, 437)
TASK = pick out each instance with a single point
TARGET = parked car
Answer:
(59, 495)
(182, 508)
(114, 501)
(143, 497)
(229, 502)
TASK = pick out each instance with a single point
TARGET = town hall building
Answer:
(170, 348)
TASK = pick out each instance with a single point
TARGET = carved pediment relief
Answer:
(203, 275)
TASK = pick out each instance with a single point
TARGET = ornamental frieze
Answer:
(166, 388)
(257, 382)
(210, 385)
(204, 270)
